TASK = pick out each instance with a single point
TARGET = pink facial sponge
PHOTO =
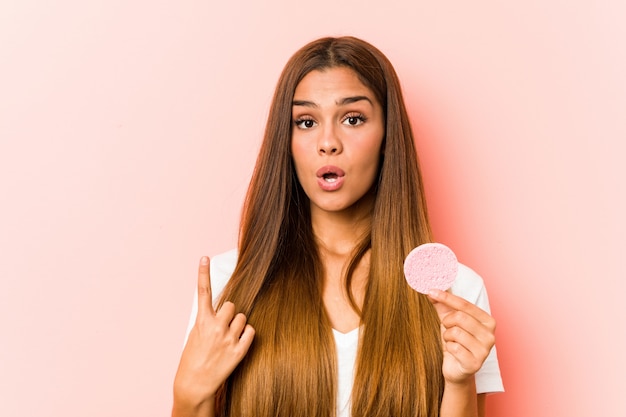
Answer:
(430, 266)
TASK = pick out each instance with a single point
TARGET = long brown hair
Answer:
(290, 369)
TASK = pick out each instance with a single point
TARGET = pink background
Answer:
(128, 131)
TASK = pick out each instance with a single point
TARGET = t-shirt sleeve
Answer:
(470, 286)
(222, 267)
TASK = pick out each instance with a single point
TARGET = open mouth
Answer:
(330, 177)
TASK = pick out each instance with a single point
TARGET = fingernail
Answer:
(204, 260)
(434, 293)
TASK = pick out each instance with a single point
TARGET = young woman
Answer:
(314, 316)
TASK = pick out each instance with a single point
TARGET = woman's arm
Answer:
(459, 400)
(462, 401)
(468, 336)
(217, 343)
(183, 409)
(481, 398)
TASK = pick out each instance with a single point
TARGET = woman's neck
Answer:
(338, 233)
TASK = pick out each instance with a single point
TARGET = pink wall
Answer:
(128, 130)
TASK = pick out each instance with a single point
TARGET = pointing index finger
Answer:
(205, 297)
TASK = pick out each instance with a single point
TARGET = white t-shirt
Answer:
(468, 285)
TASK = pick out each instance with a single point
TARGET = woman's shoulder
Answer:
(222, 267)
(224, 263)
(469, 285)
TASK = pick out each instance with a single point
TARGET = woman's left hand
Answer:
(468, 334)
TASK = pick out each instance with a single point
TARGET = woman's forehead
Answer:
(336, 84)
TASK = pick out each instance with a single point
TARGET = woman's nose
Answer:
(329, 143)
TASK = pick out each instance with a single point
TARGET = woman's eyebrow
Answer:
(304, 103)
(341, 102)
(350, 100)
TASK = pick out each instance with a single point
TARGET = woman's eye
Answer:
(354, 120)
(305, 123)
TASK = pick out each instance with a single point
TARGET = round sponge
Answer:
(430, 266)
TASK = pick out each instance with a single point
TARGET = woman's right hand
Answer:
(216, 344)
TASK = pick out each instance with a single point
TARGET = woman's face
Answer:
(337, 137)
